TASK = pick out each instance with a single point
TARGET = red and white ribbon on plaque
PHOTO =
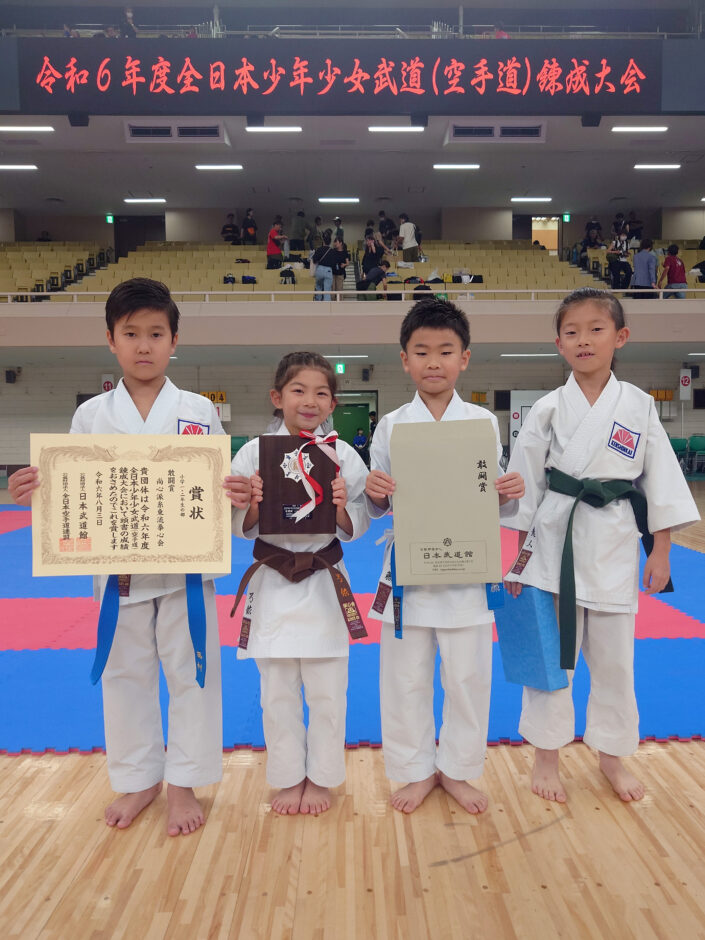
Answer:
(314, 490)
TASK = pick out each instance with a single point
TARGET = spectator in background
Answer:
(229, 232)
(322, 262)
(594, 223)
(618, 258)
(248, 232)
(406, 240)
(362, 446)
(537, 244)
(373, 254)
(701, 246)
(592, 240)
(373, 424)
(644, 270)
(387, 228)
(619, 225)
(340, 259)
(275, 240)
(44, 236)
(499, 32)
(338, 230)
(375, 278)
(636, 226)
(298, 231)
(315, 237)
(128, 30)
(674, 272)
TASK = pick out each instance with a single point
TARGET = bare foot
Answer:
(288, 801)
(545, 780)
(184, 811)
(315, 799)
(410, 797)
(125, 808)
(469, 797)
(624, 783)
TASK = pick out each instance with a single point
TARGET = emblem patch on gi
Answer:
(291, 468)
(624, 441)
(192, 427)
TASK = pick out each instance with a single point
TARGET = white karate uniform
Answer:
(298, 635)
(618, 438)
(455, 618)
(153, 627)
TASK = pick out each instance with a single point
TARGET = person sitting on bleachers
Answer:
(373, 254)
(619, 256)
(591, 240)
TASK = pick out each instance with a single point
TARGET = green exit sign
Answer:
(566, 216)
(109, 219)
(339, 368)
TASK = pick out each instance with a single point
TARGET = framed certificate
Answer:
(284, 490)
(446, 508)
(130, 504)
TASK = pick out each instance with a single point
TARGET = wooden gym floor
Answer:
(591, 868)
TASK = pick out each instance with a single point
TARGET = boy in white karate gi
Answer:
(435, 336)
(152, 626)
(599, 431)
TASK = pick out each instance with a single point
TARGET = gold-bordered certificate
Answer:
(446, 508)
(130, 504)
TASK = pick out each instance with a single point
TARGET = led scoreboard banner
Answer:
(372, 76)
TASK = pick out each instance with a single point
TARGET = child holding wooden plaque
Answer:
(299, 493)
(599, 471)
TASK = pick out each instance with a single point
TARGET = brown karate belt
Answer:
(297, 566)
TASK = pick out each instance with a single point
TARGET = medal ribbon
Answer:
(314, 490)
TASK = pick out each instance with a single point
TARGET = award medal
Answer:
(291, 468)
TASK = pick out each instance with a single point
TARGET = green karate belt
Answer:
(597, 494)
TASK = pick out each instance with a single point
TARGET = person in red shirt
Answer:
(674, 271)
(274, 246)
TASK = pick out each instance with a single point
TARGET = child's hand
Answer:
(657, 571)
(379, 486)
(513, 587)
(238, 489)
(22, 484)
(257, 488)
(510, 486)
(340, 492)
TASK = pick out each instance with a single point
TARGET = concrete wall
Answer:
(468, 224)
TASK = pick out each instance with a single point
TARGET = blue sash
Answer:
(108, 618)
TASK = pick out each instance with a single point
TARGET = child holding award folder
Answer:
(156, 618)
(599, 472)
(299, 608)
(454, 618)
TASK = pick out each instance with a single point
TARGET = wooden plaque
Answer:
(283, 488)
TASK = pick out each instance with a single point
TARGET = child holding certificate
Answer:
(454, 618)
(599, 471)
(151, 614)
(299, 493)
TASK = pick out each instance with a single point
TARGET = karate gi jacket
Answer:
(619, 438)
(173, 412)
(303, 620)
(447, 606)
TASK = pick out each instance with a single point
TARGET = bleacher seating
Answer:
(39, 267)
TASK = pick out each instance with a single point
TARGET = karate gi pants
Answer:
(147, 633)
(407, 667)
(293, 751)
(612, 722)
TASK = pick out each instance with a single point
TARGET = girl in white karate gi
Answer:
(596, 428)
(298, 635)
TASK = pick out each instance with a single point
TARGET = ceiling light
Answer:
(283, 129)
(218, 166)
(27, 129)
(395, 129)
(528, 355)
(657, 166)
(697, 354)
(624, 129)
(456, 166)
(336, 356)
(18, 166)
(145, 200)
(531, 198)
(338, 199)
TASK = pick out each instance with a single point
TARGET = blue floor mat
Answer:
(47, 700)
